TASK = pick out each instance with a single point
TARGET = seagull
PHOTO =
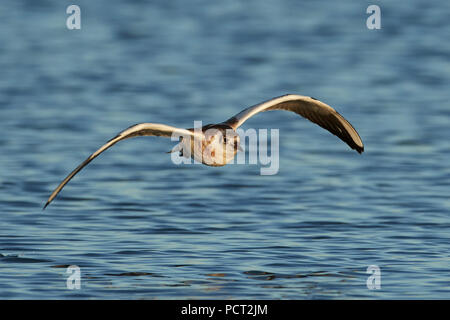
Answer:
(217, 144)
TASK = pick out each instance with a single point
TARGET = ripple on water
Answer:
(140, 226)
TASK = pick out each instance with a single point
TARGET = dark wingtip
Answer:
(45, 206)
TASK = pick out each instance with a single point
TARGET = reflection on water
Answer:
(139, 226)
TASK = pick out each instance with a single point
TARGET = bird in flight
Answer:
(217, 144)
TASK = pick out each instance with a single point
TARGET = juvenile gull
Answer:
(209, 144)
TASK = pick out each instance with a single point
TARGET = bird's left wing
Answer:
(141, 129)
(309, 108)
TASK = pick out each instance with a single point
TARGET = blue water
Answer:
(141, 227)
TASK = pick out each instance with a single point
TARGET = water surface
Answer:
(141, 227)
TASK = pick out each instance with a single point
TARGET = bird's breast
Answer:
(210, 152)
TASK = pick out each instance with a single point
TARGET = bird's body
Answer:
(217, 144)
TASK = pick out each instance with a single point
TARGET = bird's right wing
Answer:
(141, 129)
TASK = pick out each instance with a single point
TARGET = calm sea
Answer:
(140, 227)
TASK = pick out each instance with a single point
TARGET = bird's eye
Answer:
(224, 139)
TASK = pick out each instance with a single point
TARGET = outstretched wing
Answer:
(141, 129)
(309, 108)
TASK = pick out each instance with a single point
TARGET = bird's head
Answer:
(224, 136)
(220, 145)
(231, 141)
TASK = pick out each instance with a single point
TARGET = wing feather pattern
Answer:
(309, 108)
(141, 129)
